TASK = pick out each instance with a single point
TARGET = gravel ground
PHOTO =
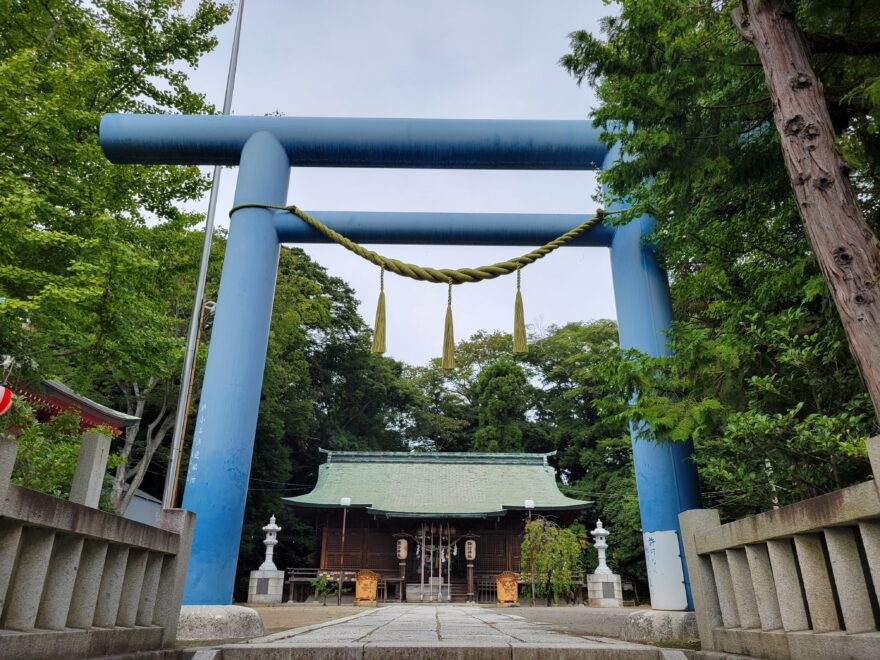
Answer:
(283, 616)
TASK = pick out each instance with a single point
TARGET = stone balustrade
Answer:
(798, 582)
(76, 582)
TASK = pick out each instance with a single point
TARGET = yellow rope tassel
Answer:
(448, 361)
(520, 343)
(379, 325)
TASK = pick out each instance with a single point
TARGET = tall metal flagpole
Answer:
(195, 324)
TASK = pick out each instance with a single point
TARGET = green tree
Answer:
(553, 553)
(443, 420)
(47, 453)
(760, 358)
(575, 405)
(844, 246)
(96, 260)
(446, 417)
(501, 394)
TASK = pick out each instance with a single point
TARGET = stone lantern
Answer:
(599, 535)
(603, 586)
(267, 582)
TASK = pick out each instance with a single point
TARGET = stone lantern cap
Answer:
(600, 531)
(272, 527)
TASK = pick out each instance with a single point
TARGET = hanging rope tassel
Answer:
(379, 326)
(448, 361)
(520, 343)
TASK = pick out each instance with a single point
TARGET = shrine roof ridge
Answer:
(421, 457)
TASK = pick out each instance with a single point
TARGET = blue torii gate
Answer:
(265, 148)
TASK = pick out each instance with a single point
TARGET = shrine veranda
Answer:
(264, 149)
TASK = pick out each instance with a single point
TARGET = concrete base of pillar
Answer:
(218, 623)
(266, 587)
(604, 590)
(660, 626)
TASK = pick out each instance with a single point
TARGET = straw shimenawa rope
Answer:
(449, 276)
(437, 275)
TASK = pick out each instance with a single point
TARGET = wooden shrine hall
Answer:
(435, 526)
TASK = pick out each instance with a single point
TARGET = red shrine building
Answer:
(413, 517)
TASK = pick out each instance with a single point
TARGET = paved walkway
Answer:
(434, 632)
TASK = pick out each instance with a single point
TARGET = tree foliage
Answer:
(761, 378)
(501, 394)
(553, 553)
(97, 259)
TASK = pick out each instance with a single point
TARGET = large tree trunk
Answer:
(847, 251)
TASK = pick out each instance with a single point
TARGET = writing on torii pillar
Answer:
(271, 541)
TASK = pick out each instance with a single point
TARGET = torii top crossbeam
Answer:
(490, 144)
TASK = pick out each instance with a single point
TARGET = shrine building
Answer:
(52, 397)
(413, 517)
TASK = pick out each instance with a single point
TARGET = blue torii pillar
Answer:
(666, 477)
(265, 148)
(223, 443)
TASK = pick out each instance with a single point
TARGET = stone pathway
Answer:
(463, 633)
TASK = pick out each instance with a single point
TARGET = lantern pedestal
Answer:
(604, 590)
(266, 587)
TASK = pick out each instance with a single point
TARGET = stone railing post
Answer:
(25, 589)
(764, 586)
(60, 579)
(873, 445)
(166, 612)
(84, 601)
(850, 579)
(10, 532)
(792, 608)
(743, 590)
(703, 585)
(90, 469)
(817, 582)
(870, 529)
(8, 451)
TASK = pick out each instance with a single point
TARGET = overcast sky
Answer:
(495, 59)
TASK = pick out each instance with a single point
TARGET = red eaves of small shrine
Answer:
(52, 397)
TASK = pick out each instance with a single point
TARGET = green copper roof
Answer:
(437, 484)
